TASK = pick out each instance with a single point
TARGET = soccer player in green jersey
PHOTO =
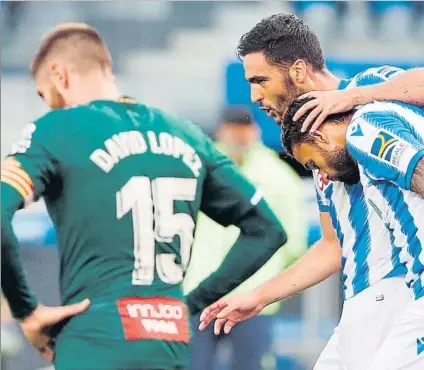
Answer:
(123, 184)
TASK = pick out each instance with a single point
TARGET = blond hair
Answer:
(78, 43)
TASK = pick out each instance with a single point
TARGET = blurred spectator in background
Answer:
(239, 137)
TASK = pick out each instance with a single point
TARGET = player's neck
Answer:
(325, 80)
(98, 87)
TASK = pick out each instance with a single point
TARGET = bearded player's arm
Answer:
(387, 149)
(405, 86)
(381, 84)
(323, 260)
(320, 262)
(230, 199)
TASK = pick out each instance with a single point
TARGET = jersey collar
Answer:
(127, 100)
(343, 83)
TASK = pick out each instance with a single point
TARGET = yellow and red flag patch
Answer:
(13, 174)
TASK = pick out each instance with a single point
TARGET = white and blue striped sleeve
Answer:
(376, 75)
(385, 145)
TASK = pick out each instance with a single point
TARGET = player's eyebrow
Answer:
(257, 79)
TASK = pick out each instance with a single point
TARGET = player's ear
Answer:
(298, 72)
(319, 137)
(59, 75)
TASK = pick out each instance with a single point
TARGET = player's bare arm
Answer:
(323, 260)
(407, 87)
(417, 182)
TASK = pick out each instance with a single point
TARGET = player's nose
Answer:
(255, 95)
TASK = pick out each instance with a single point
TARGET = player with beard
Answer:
(381, 145)
(283, 59)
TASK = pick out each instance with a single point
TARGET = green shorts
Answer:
(87, 354)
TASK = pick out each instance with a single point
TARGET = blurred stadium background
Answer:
(180, 56)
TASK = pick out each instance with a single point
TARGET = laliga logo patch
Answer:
(383, 146)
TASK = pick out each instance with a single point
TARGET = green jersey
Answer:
(123, 184)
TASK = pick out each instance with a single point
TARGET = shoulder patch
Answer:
(384, 145)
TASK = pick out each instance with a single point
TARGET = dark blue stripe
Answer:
(392, 72)
(411, 107)
(395, 123)
(396, 200)
(399, 269)
(339, 232)
(334, 219)
(358, 218)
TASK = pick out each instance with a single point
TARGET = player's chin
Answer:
(278, 119)
(348, 177)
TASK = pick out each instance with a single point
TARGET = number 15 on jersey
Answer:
(154, 220)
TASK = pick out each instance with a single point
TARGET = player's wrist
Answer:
(360, 96)
(26, 314)
(262, 296)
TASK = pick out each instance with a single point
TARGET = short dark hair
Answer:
(290, 130)
(291, 133)
(283, 38)
(237, 115)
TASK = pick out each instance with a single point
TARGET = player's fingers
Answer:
(305, 108)
(204, 324)
(226, 311)
(204, 313)
(207, 320)
(210, 310)
(46, 353)
(311, 118)
(218, 326)
(319, 121)
(57, 314)
(228, 326)
(310, 94)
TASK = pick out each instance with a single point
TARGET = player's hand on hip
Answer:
(228, 311)
(324, 104)
(36, 326)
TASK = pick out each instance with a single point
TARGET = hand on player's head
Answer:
(323, 104)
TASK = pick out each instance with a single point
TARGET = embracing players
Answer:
(123, 184)
(283, 59)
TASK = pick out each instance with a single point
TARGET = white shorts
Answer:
(366, 321)
(403, 348)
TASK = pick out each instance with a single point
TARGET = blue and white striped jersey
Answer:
(387, 141)
(368, 253)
